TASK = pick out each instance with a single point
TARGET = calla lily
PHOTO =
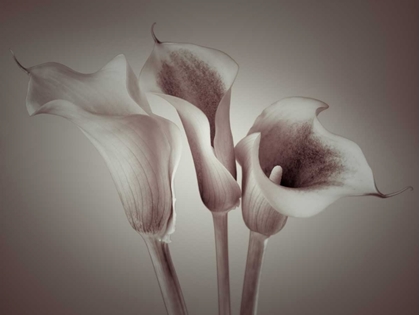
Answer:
(197, 81)
(292, 166)
(141, 150)
(317, 166)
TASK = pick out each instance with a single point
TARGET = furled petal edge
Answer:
(173, 135)
(223, 139)
(257, 213)
(219, 190)
(112, 90)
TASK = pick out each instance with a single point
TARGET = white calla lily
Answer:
(318, 167)
(197, 81)
(292, 166)
(141, 150)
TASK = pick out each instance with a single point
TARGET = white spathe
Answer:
(324, 167)
(142, 150)
(197, 81)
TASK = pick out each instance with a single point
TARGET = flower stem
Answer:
(166, 275)
(256, 249)
(220, 221)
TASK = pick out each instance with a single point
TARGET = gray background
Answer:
(65, 244)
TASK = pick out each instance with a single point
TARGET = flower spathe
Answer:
(141, 149)
(197, 81)
(316, 166)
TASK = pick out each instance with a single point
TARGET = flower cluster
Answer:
(291, 165)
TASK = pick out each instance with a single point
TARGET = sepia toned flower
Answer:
(292, 166)
(313, 167)
(141, 150)
(197, 81)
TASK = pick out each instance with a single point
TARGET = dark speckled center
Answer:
(185, 76)
(306, 161)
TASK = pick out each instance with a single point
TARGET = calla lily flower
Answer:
(314, 167)
(292, 166)
(197, 81)
(141, 150)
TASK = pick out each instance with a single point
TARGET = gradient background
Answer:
(65, 244)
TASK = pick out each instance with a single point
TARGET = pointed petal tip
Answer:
(157, 41)
(321, 106)
(18, 63)
(381, 195)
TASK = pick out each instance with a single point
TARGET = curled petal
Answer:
(142, 151)
(198, 79)
(219, 190)
(318, 166)
(113, 90)
(257, 213)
